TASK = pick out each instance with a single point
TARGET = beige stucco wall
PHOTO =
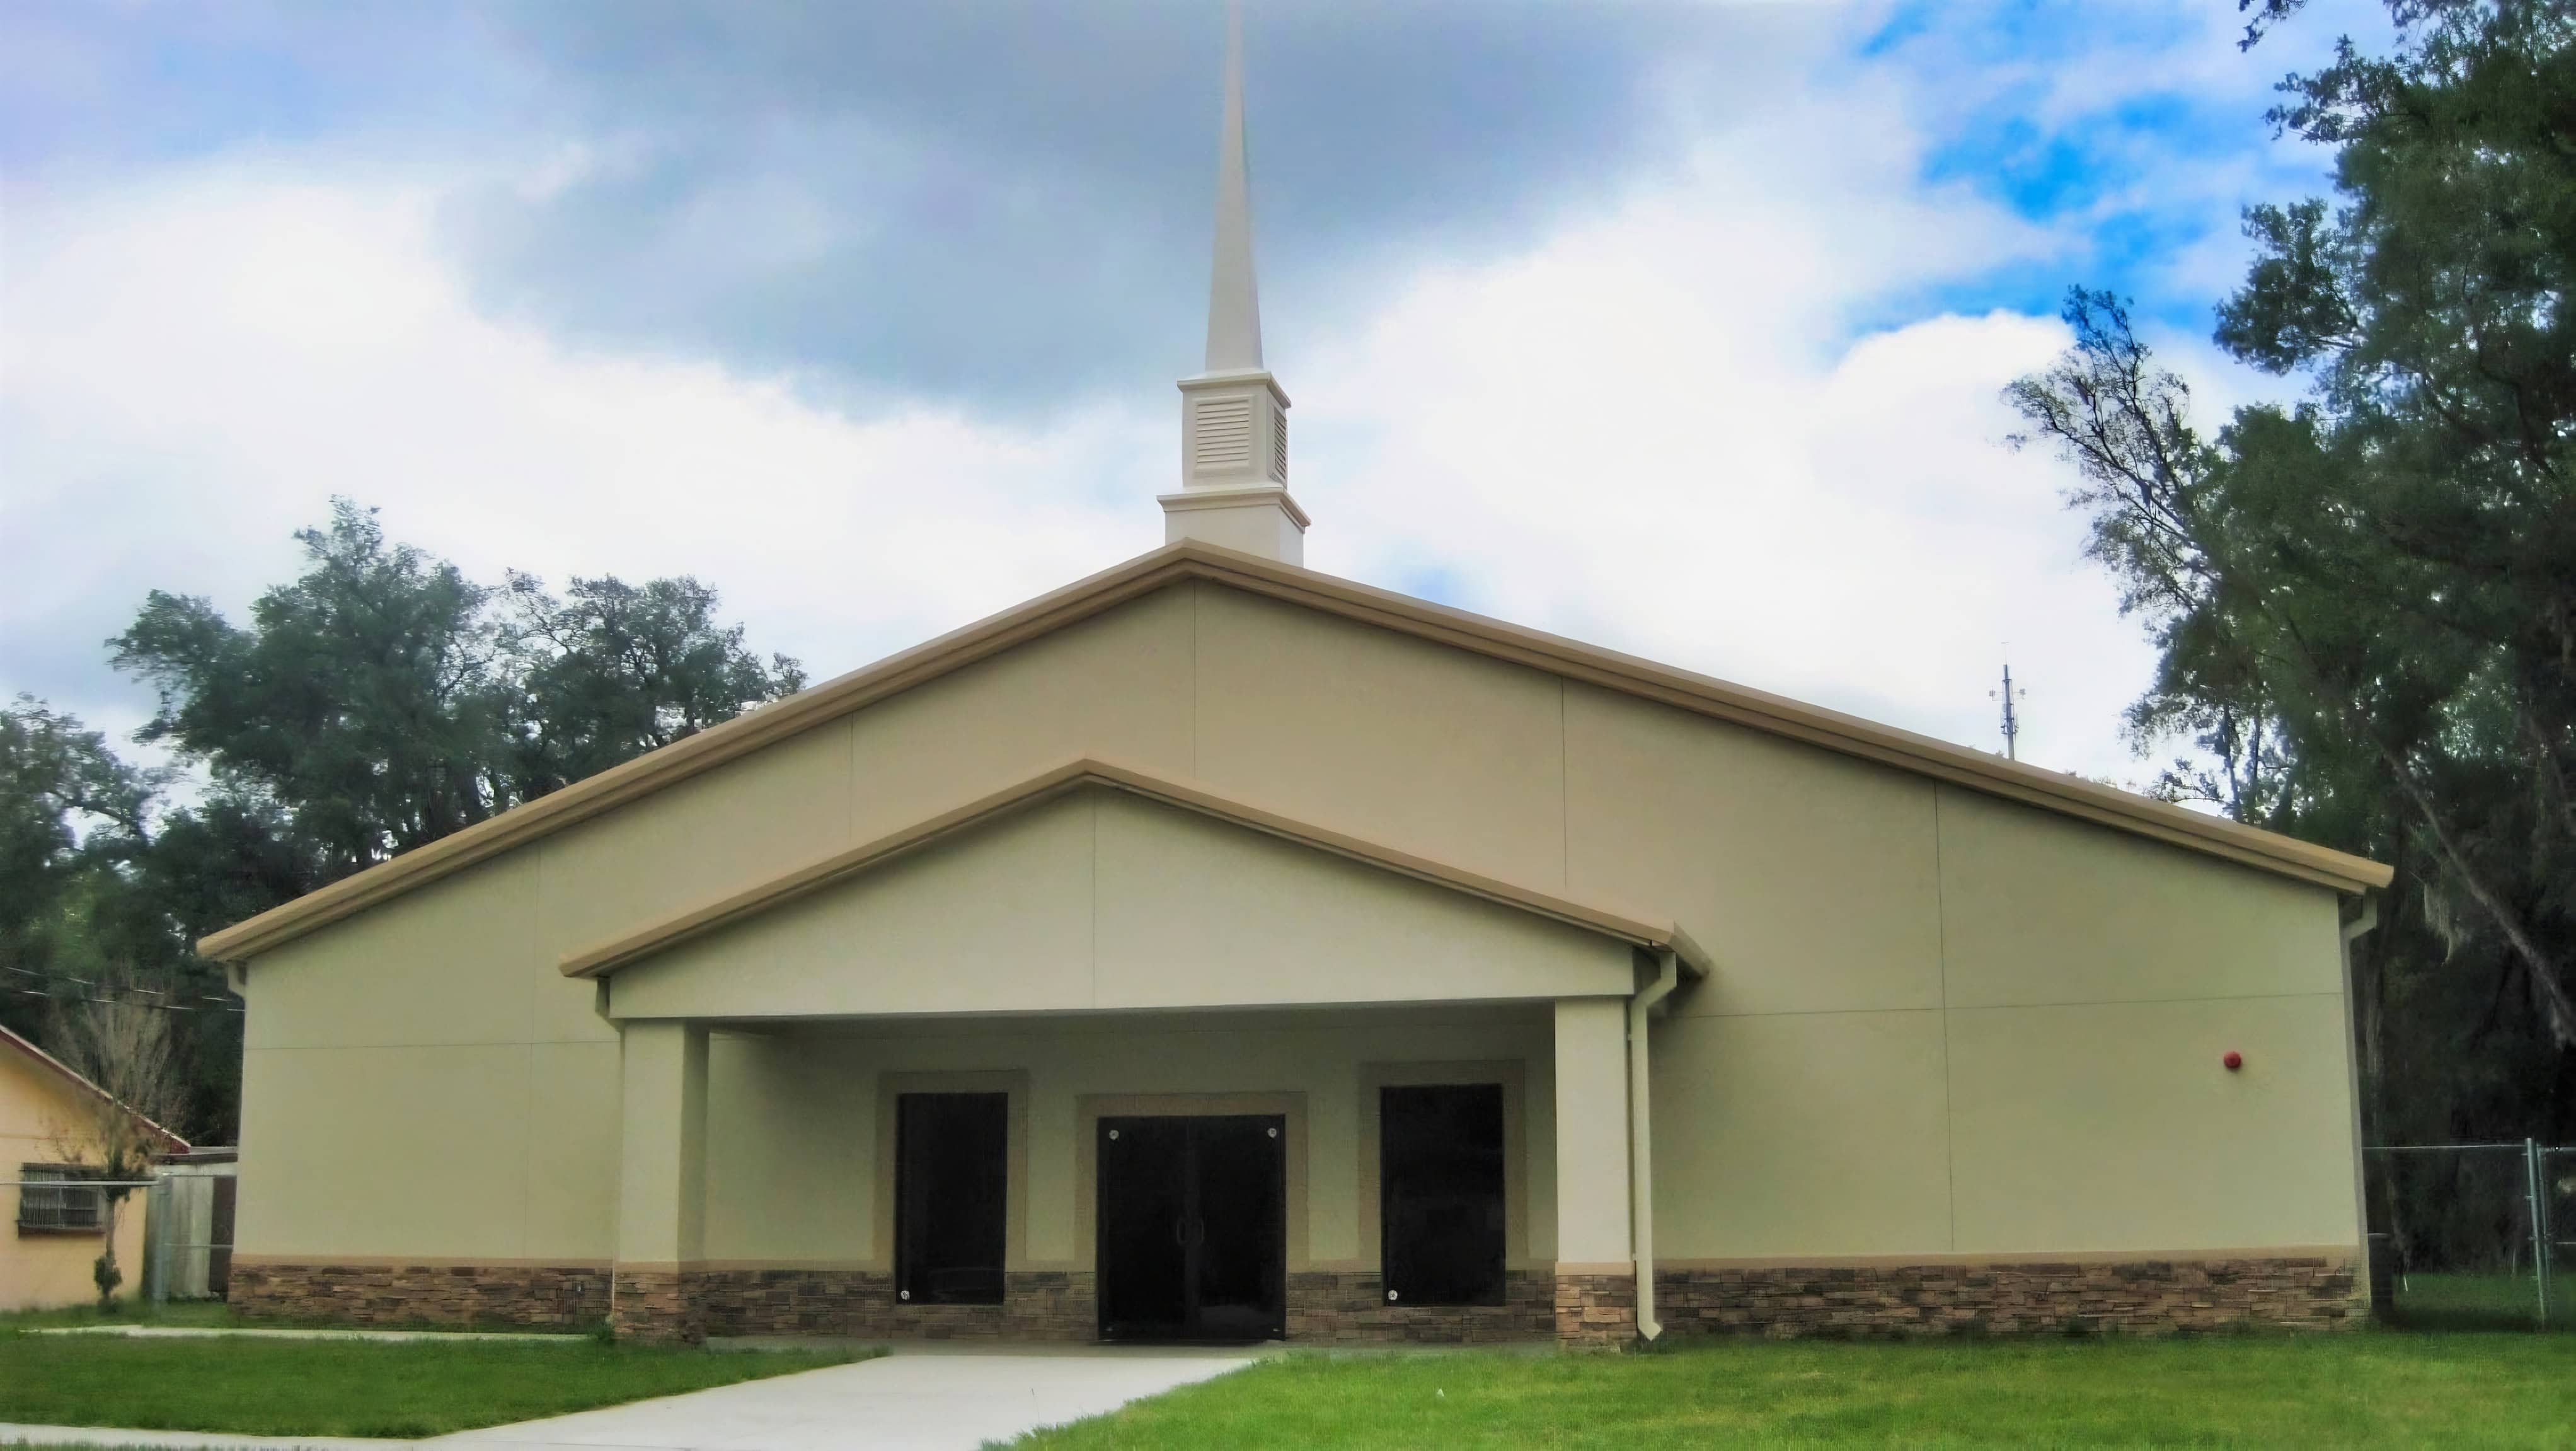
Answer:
(1939, 1024)
(1944, 1024)
(1103, 901)
(440, 1019)
(39, 1271)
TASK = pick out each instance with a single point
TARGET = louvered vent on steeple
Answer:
(1224, 440)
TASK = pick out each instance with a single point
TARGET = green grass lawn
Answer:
(197, 1314)
(2498, 1301)
(346, 1388)
(2377, 1388)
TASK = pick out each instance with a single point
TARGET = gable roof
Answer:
(171, 1143)
(1190, 559)
(606, 957)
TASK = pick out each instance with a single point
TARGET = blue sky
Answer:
(868, 315)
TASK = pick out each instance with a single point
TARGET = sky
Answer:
(1676, 328)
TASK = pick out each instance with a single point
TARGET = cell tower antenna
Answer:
(2010, 695)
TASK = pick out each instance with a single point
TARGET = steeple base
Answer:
(1256, 519)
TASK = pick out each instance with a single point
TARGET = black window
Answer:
(951, 1189)
(1440, 1193)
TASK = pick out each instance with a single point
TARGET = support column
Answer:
(1596, 1300)
(661, 1180)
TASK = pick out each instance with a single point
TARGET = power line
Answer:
(221, 1005)
(29, 992)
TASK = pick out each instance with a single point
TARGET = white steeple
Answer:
(1234, 415)
(1234, 298)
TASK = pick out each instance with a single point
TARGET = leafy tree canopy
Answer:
(376, 703)
(2366, 602)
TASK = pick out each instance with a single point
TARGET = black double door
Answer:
(1193, 1228)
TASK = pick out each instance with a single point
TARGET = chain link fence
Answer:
(2473, 1235)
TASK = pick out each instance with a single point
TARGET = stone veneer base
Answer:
(1036, 1305)
(2127, 1297)
(523, 1296)
(2145, 1297)
(1350, 1308)
(656, 1307)
(1596, 1312)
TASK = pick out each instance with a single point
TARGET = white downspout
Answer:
(1641, 1140)
(2353, 931)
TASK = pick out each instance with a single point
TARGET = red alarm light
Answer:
(2234, 1060)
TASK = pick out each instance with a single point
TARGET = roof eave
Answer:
(1190, 559)
(84, 1084)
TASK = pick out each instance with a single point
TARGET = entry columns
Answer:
(1595, 1276)
(661, 1179)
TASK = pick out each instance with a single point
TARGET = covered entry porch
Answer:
(1257, 1156)
(1122, 1064)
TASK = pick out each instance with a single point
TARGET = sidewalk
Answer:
(210, 1332)
(934, 1397)
(13, 1435)
(951, 1399)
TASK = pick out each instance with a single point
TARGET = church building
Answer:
(1214, 949)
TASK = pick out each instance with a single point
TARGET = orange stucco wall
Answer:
(38, 1271)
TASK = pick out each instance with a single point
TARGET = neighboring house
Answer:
(56, 1234)
(1217, 949)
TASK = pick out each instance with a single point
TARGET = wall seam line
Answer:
(1195, 676)
(2140, 1002)
(498, 1043)
(1941, 954)
(1564, 797)
(528, 1148)
(2012, 1007)
(1095, 897)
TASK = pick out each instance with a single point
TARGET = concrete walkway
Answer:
(15, 1435)
(213, 1332)
(917, 1399)
(921, 1398)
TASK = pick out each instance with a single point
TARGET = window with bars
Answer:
(56, 1200)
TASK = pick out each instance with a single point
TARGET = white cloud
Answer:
(195, 365)
(1651, 430)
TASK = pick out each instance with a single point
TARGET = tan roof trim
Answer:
(84, 1084)
(1608, 669)
(606, 957)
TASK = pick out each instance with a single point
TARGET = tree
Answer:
(85, 859)
(2366, 603)
(124, 1047)
(66, 804)
(360, 710)
(376, 703)
(72, 815)
(617, 670)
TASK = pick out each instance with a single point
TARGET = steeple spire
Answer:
(1234, 415)
(1234, 299)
